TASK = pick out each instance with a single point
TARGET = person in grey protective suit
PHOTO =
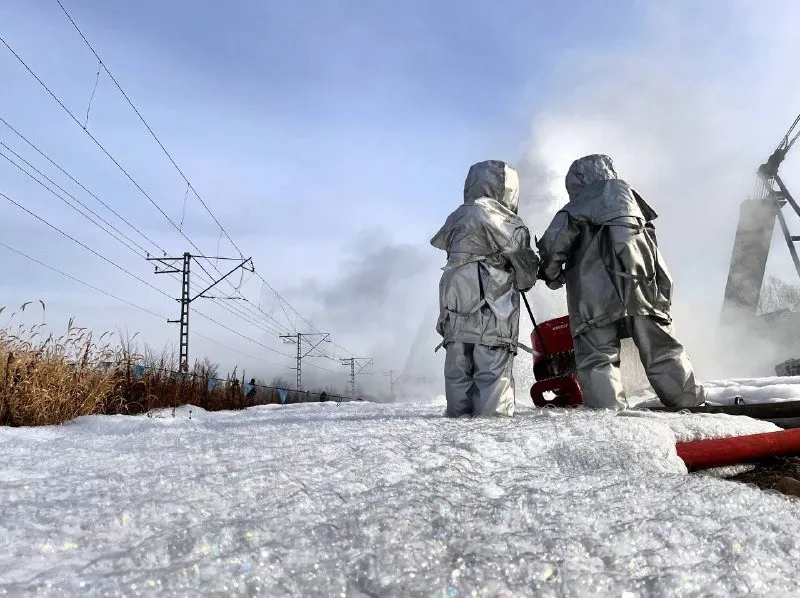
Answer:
(603, 245)
(489, 261)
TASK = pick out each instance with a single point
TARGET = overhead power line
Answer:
(118, 165)
(144, 122)
(102, 148)
(298, 339)
(120, 299)
(97, 254)
(77, 182)
(123, 270)
(145, 194)
(177, 167)
(242, 313)
(92, 137)
(117, 266)
(352, 362)
(168, 267)
(141, 251)
(79, 281)
(82, 244)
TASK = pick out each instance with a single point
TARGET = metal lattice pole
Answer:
(299, 362)
(168, 267)
(351, 361)
(184, 321)
(393, 381)
(353, 379)
(298, 338)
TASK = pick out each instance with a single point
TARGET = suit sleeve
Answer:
(555, 247)
(523, 259)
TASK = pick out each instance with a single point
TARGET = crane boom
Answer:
(775, 190)
(754, 232)
(744, 316)
(769, 169)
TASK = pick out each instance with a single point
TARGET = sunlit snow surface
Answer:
(753, 390)
(369, 500)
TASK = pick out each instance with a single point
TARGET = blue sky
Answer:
(331, 140)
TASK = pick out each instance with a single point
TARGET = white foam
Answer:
(362, 499)
(752, 390)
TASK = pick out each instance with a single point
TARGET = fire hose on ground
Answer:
(719, 452)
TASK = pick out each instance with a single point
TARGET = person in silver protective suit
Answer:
(603, 245)
(489, 261)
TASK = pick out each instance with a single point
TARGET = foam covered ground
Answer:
(753, 390)
(369, 500)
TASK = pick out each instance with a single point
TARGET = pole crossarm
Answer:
(326, 337)
(164, 261)
(168, 266)
(242, 265)
(298, 339)
(367, 361)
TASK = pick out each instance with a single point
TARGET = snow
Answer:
(753, 390)
(757, 390)
(376, 500)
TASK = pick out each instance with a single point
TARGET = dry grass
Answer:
(47, 380)
(51, 379)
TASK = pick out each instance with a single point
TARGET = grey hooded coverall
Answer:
(603, 245)
(489, 260)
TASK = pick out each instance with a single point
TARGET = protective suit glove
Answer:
(521, 289)
(557, 283)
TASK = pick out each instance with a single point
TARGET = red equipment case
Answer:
(554, 365)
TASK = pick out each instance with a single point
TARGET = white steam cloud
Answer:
(687, 116)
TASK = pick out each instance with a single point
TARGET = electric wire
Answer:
(268, 321)
(143, 253)
(124, 270)
(78, 280)
(139, 187)
(138, 250)
(74, 180)
(120, 299)
(179, 170)
(101, 146)
(86, 247)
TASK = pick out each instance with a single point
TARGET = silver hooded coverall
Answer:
(489, 260)
(603, 245)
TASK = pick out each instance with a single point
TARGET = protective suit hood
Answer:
(493, 179)
(587, 172)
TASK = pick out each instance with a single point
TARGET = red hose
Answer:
(719, 452)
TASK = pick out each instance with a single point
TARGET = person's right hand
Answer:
(558, 282)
